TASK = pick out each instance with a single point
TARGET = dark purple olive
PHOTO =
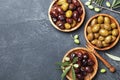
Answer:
(79, 9)
(91, 62)
(84, 62)
(60, 10)
(77, 70)
(85, 56)
(89, 69)
(79, 62)
(84, 73)
(53, 13)
(69, 20)
(75, 15)
(72, 7)
(82, 69)
(73, 55)
(61, 17)
(76, 2)
(79, 19)
(59, 23)
(62, 27)
(80, 56)
(54, 20)
(80, 76)
(69, 1)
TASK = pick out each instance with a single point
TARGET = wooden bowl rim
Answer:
(72, 29)
(108, 47)
(95, 60)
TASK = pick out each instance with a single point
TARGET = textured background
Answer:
(30, 46)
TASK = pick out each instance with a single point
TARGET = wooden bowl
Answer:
(89, 76)
(67, 30)
(112, 44)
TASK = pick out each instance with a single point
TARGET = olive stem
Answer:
(107, 8)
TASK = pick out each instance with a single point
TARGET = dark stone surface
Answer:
(30, 46)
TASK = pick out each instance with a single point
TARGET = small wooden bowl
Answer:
(65, 30)
(112, 44)
(91, 55)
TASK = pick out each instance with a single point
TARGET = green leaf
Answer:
(113, 3)
(65, 72)
(73, 74)
(116, 3)
(75, 60)
(116, 6)
(63, 64)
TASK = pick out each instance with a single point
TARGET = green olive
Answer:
(68, 13)
(113, 25)
(101, 38)
(99, 43)
(60, 2)
(108, 39)
(96, 28)
(89, 29)
(104, 44)
(64, 6)
(100, 19)
(106, 20)
(93, 22)
(96, 35)
(94, 41)
(67, 26)
(113, 38)
(115, 32)
(90, 36)
(74, 23)
(107, 26)
(102, 26)
(103, 32)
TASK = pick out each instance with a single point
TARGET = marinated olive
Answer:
(64, 6)
(104, 44)
(89, 29)
(80, 10)
(113, 25)
(72, 7)
(99, 43)
(60, 2)
(59, 10)
(75, 15)
(69, 1)
(102, 26)
(79, 19)
(113, 38)
(68, 13)
(110, 32)
(53, 13)
(75, 2)
(59, 23)
(90, 36)
(103, 32)
(101, 38)
(94, 41)
(107, 26)
(96, 28)
(115, 32)
(67, 26)
(100, 19)
(54, 20)
(61, 17)
(74, 23)
(106, 20)
(69, 20)
(93, 22)
(96, 35)
(108, 39)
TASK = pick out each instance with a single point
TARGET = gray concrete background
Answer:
(30, 46)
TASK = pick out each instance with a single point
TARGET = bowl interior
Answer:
(65, 30)
(91, 55)
(112, 20)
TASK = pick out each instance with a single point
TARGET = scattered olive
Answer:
(76, 41)
(68, 13)
(103, 70)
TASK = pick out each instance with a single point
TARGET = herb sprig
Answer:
(97, 5)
